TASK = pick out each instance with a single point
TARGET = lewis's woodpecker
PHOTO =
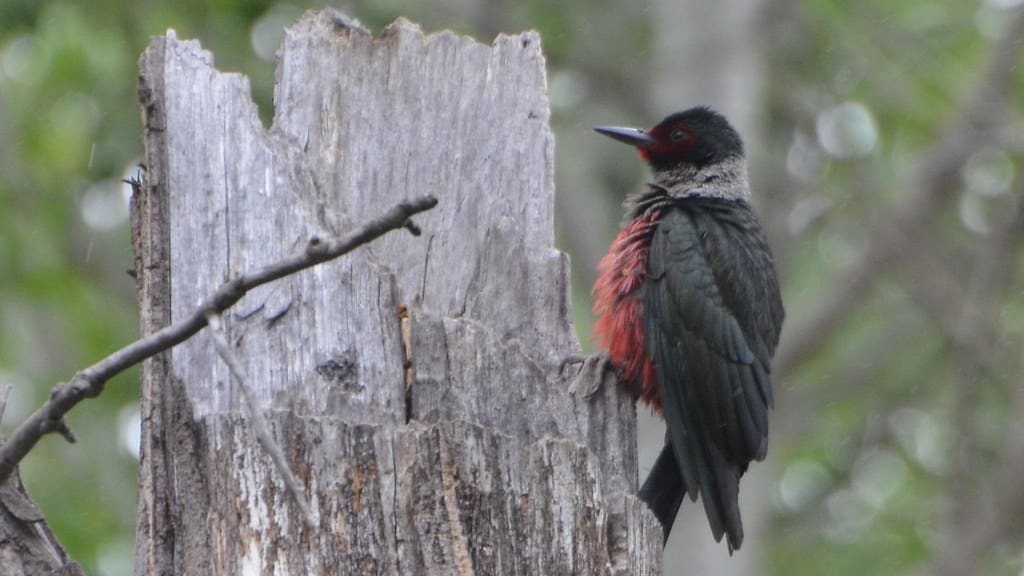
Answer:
(689, 310)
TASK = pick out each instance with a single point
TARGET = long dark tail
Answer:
(664, 489)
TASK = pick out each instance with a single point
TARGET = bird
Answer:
(689, 312)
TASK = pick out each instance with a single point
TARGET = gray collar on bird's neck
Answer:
(725, 180)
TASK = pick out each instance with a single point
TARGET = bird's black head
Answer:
(696, 137)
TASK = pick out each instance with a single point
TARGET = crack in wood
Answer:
(407, 364)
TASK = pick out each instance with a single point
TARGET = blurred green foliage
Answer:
(865, 455)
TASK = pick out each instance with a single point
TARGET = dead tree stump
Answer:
(415, 385)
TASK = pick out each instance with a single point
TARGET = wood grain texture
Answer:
(27, 545)
(484, 464)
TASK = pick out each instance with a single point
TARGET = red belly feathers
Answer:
(619, 308)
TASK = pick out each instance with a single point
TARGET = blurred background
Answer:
(884, 139)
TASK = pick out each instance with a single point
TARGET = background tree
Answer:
(888, 174)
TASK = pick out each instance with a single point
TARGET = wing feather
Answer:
(711, 346)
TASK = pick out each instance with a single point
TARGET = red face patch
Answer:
(673, 140)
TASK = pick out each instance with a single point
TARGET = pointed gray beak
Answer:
(633, 136)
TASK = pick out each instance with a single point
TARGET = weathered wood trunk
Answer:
(414, 385)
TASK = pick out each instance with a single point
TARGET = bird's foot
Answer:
(592, 372)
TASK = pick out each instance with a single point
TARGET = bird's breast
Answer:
(618, 305)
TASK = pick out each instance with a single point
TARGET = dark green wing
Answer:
(711, 336)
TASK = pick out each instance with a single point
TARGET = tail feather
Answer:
(664, 489)
(720, 492)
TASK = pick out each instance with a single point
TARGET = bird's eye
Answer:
(678, 135)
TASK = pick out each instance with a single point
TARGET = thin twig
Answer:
(259, 423)
(89, 382)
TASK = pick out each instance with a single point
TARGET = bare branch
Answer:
(89, 382)
(932, 184)
(259, 423)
